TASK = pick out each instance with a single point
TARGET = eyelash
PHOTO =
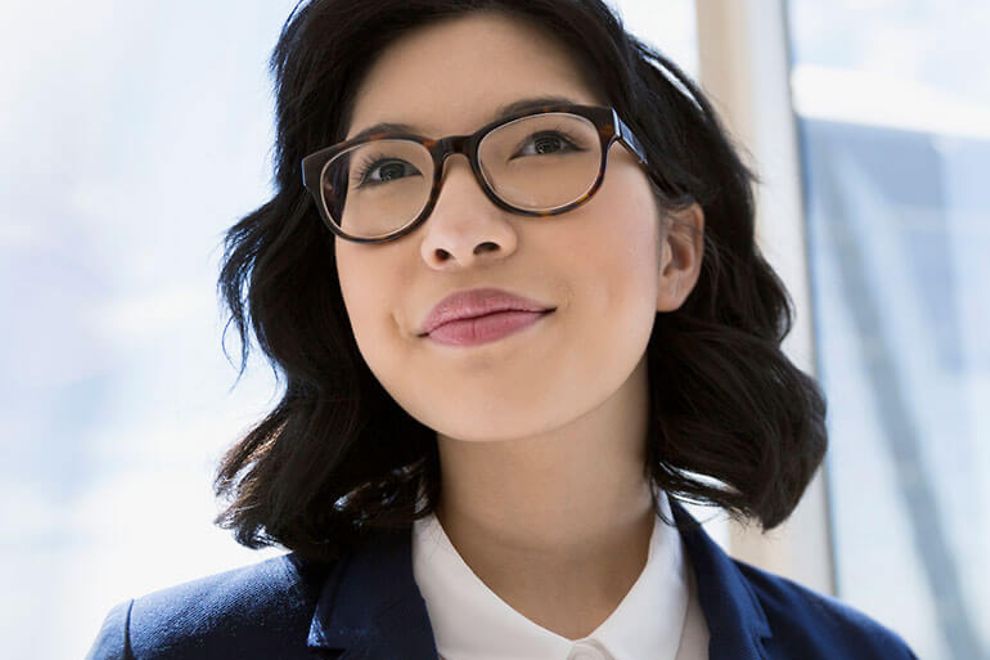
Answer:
(367, 165)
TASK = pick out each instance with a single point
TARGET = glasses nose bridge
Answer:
(466, 145)
(450, 145)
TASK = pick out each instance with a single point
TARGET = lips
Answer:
(484, 329)
(475, 303)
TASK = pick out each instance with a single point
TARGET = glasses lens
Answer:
(378, 187)
(542, 162)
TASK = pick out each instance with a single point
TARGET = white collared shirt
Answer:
(658, 619)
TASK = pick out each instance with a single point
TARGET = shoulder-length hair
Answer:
(733, 422)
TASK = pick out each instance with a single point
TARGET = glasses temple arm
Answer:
(625, 134)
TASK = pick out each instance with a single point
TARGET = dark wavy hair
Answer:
(733, 422)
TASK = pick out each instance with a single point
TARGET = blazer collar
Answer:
(371, 608)
(737, 625)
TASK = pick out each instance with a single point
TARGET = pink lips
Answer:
(481, 315)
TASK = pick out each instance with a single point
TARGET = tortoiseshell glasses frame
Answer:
(606, 120)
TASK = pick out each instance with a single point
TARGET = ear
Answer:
(681, 249)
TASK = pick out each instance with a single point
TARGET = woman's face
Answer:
(600, 265)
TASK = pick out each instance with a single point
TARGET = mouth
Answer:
(486, 328)
(477, 303)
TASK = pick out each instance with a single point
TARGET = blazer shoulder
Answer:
(266, 605)
(809, 624)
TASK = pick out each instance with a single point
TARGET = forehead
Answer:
(451, 76)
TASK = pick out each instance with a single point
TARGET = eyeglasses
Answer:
(380, 187)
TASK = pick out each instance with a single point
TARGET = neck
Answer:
(565, 516)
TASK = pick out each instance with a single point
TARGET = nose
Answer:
(465, 228)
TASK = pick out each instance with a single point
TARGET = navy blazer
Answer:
(367, 605)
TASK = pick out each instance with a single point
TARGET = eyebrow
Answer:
(516, 107)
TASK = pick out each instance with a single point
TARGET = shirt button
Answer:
(588, 650)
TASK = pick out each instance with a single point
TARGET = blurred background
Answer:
(132, 134)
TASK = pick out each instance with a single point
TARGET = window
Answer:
(893, 103)
(132, 135)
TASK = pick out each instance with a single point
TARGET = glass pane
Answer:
(895, 121)
(378, 187)
(542, 162)
(132, 134)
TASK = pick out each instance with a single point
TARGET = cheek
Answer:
(619, 236)
(349, 275)
(615, 282)
(367, 285)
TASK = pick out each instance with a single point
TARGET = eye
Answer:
(382, 170)
(545, 143)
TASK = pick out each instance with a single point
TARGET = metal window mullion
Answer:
(745, 70)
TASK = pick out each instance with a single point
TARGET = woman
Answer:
(510, 279)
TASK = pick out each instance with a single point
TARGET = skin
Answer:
(541, 434)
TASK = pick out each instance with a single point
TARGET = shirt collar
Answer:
(371, 607)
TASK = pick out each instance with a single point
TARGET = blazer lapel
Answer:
(736, 622)
(370, 607)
